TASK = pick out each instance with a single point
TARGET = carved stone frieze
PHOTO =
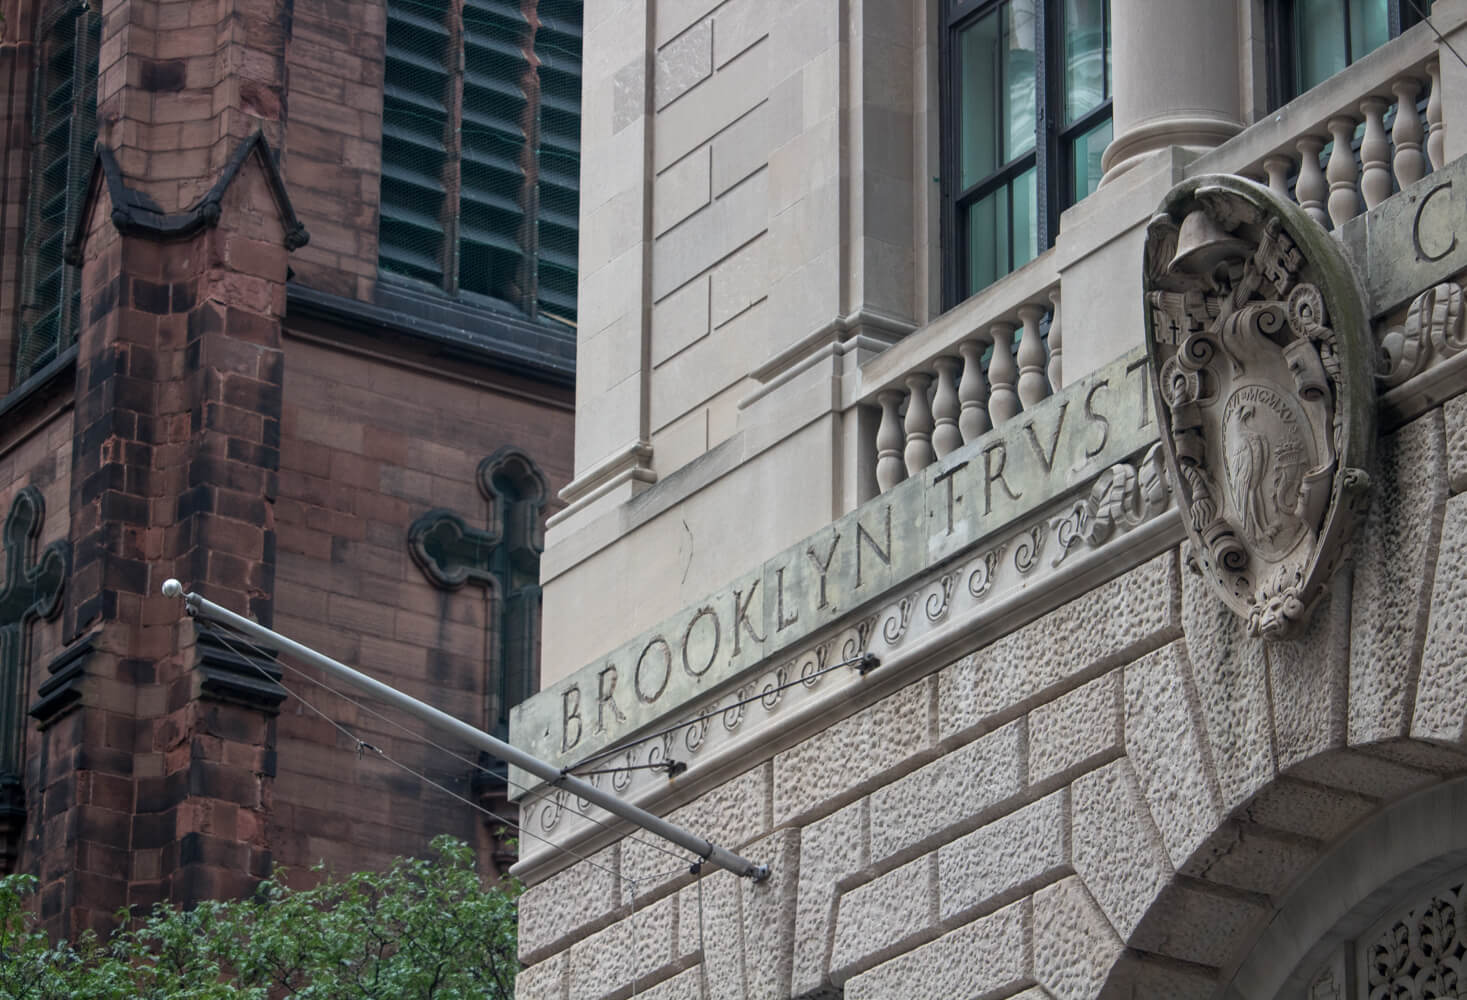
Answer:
(1262, 364)
(1433, 332)
(964, 597)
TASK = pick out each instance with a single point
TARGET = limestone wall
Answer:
(1112, 800)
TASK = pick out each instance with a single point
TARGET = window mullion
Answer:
(1046, 87)
(453, 162)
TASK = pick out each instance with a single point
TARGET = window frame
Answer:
(527, 297)
(1051, 156)
(1280, 47)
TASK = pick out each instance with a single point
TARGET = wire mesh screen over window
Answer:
(64, 134)
(481, 151)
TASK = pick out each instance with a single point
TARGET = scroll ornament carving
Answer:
(1433, 332)
(1123, 497)
(1261, 365)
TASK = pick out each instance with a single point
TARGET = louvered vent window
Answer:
(480, 150)
(64, 134)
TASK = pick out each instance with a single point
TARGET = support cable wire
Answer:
(864, 663)
(362, 746)
(218, 632)
(1425, 17)
(702, 847)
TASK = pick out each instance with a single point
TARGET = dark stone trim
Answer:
(136, 214)
(42, 383)
(61, 692)
(235, 676)
(545, 351)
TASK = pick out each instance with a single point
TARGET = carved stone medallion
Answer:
(1262, 366)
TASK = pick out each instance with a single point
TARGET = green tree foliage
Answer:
(422, 930)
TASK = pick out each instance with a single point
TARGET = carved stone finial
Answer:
(1261, 365)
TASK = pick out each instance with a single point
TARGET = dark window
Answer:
(480, 149)
(64, 135)
(1312, 40)
(1026, 97)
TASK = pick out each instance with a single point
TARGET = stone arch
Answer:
(1255, 771)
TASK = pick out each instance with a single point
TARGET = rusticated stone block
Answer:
(854, 754)
(1081, 726)
(686, 985)
(1165, 746)
(1074, 945)
(831, 849)
(709, 926)
(1108, 625)
(1197, 925)
(995, 862)
(731, 815)
(1117, 850)
(948, 792)
(578, 900)
(1308, 677)
(642, 947)
(981, 958)
(1231, 675)
(547, 980)
(1251, 859)
(884, 917)
(1306, 810)
(768, 912)
(1394, 554)
(1454, 411)
(1441, 693)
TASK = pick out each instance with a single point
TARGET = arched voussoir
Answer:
(1304, 863)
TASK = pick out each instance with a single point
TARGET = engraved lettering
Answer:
(605, 695)
(638, 686)
(822, 566)
(570, 711)
(1421, 252)
(1138, 369)
(780, 621)
(1047, 459)
(741, 616)
(703, 612)
(947, 477)
(883, 554)
(1095, 419)
(992, 475)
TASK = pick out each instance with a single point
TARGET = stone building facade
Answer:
(214, 366)
(1091, 629)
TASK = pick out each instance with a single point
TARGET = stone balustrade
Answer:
(1348, 145)
(1001, 368)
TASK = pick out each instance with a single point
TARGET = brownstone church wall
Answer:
(240, 409)
(369, 444)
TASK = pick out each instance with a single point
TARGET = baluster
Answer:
(1344, 201)
(890, 469)
(1375, 154)
(1277, 166)
(1436, 138)
(1406, 133)
(1003, 401)
(946, 438)
(1033, 383)
(1311, 187)
(919, 453)
(973, 392)
(1056, 344)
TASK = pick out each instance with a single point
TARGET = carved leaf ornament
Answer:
(1262, 366)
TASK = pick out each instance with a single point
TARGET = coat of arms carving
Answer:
(1262, 367)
